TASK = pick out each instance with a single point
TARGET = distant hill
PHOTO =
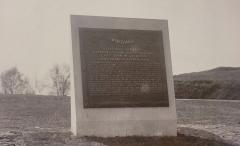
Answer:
(218, 83)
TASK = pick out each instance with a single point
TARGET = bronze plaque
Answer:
(123, 68)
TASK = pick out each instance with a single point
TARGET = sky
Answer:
(35, 34)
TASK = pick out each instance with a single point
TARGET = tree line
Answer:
(15, 82)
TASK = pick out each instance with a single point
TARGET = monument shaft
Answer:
(122, 77)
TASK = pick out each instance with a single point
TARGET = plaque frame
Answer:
(148, 41)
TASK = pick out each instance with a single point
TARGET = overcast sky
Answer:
(35, 34)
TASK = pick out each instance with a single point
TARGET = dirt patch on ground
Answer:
(180, 140)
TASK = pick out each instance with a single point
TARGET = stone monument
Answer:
(123, 82)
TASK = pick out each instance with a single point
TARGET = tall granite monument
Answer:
(123, 82)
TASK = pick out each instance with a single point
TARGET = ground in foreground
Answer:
(47, 138)
(30, 119)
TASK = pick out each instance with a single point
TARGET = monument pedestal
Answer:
(127, 128)
(123, 82)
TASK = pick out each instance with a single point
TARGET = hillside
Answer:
(218, 83)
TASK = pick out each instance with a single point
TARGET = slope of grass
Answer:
(219, 83)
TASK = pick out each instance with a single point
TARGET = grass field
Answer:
(30, 112)
(207, 112)
(40, 113)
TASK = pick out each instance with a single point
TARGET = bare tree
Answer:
(40, 86)
(28, 88)
(60, 77)
(13, 82)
